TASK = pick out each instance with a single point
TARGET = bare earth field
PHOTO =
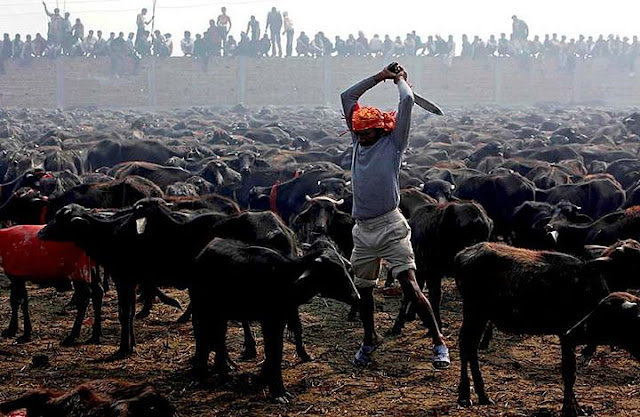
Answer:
(522, 373)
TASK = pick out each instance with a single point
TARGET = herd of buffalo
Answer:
(535, 213)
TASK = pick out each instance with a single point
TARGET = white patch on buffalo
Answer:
(554, 235)
(307, 197)
(141, 225)
(627, 305)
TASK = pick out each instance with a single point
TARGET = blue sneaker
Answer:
(363, 355)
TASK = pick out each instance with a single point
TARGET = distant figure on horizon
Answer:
(288, 31)
(520, 30)
(54, 35)
(186, 44)
(224, 23)
(274, 24)
(141, 24)
(253, 29)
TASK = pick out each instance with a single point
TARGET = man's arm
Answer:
(403, 117)
(47, 10)
(351, 95)
(268, 22)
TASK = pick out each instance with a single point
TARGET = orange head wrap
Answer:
(372, 118)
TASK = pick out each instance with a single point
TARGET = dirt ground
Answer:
(522, 374)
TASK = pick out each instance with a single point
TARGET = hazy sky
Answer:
(569, 17)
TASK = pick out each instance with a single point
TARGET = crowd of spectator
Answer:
(65, 38)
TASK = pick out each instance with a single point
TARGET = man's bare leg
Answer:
(423, 308)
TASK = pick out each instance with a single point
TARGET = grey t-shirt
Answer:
(375, 168)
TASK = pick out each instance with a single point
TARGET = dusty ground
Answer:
(522, 373)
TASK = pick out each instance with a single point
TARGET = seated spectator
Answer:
(118, 46)
(375, 45)
(479, 48)
(504, 48)
(362, 44)
(351, 45)
(168, 41)
(27, 49)
(492, 45)
(131, 48)
(535, 47)
(441, 46)
(387, 47)
(431, 46)
(328, 46)
(186, 44)
(199, 47)
(6, 50)
(77, 31)
(303, 45)
(118, 53)
(467, 50)
(581, 47)
(398, 47)
(112, 36)
(409, 45)
(244, 46)
(159, 45)
(89, 43)
(418, 41)
(231, 46)
(264, 45)
(39, 45)
(600, 47)
(341, 46)
(316, 47)
(100, 48)
(17, 46)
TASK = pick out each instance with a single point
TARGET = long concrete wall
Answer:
(183, 82)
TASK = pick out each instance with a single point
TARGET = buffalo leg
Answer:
(295, 326)
(470, 334)
(273, 331)
(146, 296)
(570, 407)
(203, 347)
(249, 342)
(486, 337)
(401, 318)
(126, 307)
(24, 302)
(14, 302)
(97, 295)
(219, 335)
(82, 297)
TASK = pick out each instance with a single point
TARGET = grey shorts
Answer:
(385, 237)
